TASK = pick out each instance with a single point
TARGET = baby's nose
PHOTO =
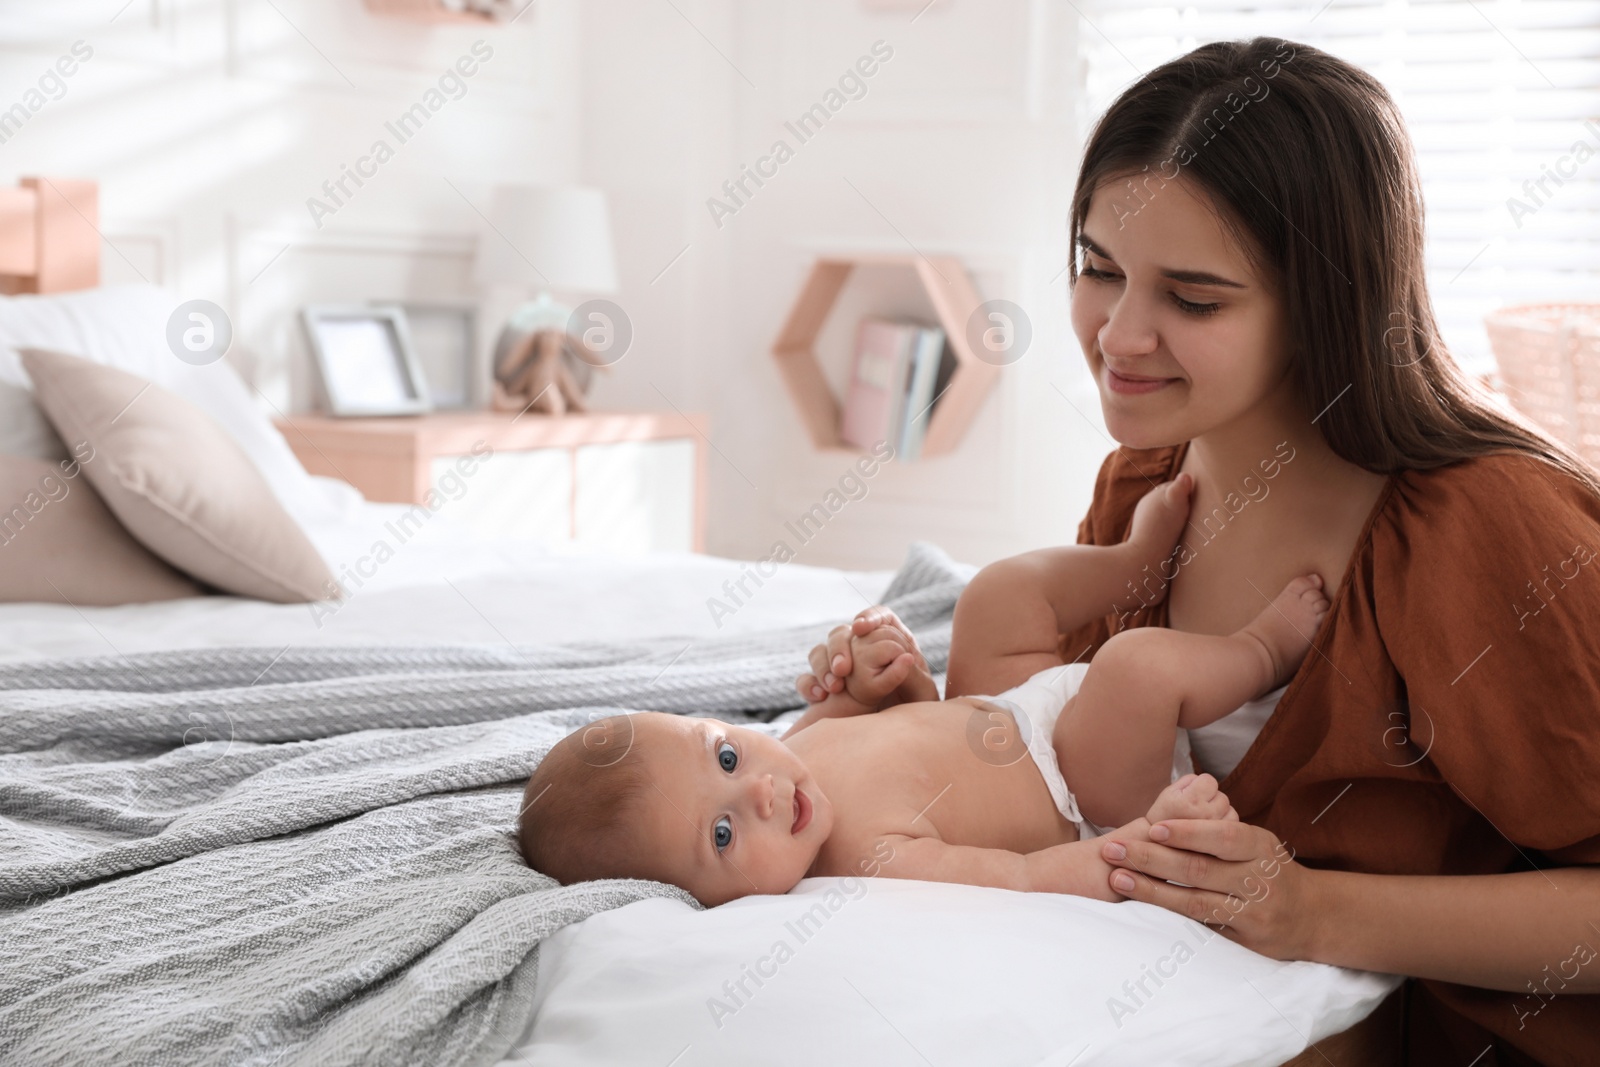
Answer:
(762, 795)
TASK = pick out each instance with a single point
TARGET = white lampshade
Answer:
(554, 238)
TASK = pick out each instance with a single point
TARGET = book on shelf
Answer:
(877, 382)
(931, 367)
(899, 372)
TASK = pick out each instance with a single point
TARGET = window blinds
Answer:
(1502, 98)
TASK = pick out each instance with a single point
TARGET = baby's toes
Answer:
(1311, 592)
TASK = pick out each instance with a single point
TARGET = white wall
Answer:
(964, 144)
(209, 124)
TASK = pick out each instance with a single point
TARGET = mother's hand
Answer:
(1236, 877)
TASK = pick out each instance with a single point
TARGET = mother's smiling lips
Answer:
(1134, 384)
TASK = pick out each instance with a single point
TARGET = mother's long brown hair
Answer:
(1309, 163)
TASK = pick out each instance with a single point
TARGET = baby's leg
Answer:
(1114, 739)
(1011, 614)
(1078, 866)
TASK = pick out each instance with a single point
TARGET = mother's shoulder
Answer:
(1459, 548)
(1502, 492)
(1506, 475)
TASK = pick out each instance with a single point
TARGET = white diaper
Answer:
(1041, 699)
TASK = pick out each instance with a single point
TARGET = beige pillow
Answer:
(59, 544)
(24, 431)
(177, 480)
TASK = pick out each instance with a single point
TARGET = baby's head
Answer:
(719, 810)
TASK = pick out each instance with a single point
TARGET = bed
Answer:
(272, 834)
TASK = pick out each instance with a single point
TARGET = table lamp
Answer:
(556, 239)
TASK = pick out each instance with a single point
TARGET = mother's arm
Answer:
(1501, 931)
(1454, 591)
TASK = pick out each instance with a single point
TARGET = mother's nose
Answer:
(1129, 329)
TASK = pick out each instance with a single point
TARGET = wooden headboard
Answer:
(49, 236)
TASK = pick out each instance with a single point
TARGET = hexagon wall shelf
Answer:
(954, 300)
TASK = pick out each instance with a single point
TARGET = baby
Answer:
(885, 778)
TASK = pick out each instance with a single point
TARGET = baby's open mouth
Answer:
(802, 812)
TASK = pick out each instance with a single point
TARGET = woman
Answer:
(1251, 301)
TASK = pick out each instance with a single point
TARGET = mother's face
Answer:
(1182, 336)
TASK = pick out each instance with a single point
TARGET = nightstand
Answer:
(625, 481)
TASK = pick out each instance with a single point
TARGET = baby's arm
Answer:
(929, 859)
(1010, 616)
(835, 706)
(1074, 867)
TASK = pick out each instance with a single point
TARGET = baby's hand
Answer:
(887, 669)
(832, 662)
(1192, 797)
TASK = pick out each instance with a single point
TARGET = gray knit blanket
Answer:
(232, 856)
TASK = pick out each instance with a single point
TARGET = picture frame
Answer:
(444, 336)
(366, 363)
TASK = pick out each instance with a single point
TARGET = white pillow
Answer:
(125, 326)
(960, 973)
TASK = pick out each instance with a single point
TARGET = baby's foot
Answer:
(1194, 796)
(1284, 629)
(1159, 519)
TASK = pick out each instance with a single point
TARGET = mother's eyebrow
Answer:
(1190, 277)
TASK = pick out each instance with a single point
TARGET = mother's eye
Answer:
(1195, 309)
(1186, 306)
(727, 757)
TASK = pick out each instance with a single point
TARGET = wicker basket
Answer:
(1549, 360)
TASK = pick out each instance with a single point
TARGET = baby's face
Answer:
(734, 811)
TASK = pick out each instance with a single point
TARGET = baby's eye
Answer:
(727, 756)
(722, 833)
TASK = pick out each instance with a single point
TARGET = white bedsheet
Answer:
(884, 971)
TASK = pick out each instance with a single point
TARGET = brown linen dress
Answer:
(1447, 720)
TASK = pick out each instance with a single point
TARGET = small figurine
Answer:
(548, 371)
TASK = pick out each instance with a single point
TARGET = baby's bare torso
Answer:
(924, 770)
